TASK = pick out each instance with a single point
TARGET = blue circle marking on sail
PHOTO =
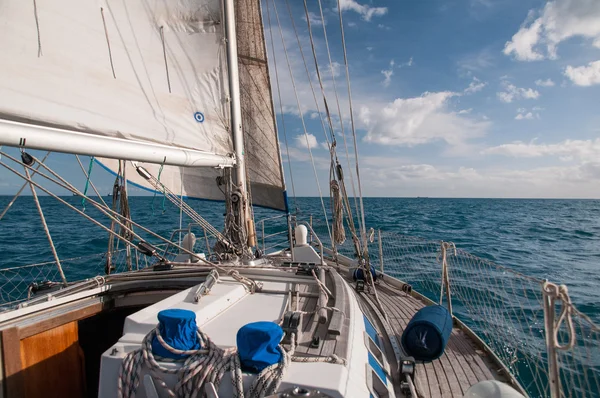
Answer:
(199, 116)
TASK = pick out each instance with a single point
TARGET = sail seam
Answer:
(112, 67)
(37, 26)
(162, 39)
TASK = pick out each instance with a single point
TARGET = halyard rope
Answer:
(445, 283)
(339, 234)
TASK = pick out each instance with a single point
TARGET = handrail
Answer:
(260, 224)
(271, 218)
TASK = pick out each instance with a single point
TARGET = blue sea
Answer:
(554, 239)
(558, 240)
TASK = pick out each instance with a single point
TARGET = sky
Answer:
(451, 98)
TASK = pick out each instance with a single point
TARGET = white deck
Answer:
(220, 314)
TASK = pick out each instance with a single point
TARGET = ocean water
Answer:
(554, 239)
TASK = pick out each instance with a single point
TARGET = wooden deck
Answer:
(461, 365)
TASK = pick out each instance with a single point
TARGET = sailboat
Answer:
(175, 97)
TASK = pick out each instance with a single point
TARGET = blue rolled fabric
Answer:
(178, 329)
(257, 345)
(426, 335)
(359, 274)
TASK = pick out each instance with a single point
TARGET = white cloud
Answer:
(465, 111)
(522, 116)
(335, 67)
(523, 42)
(384, 27)
(388, 73)
(306, 140)
(419, 120)
(366, 12)
(544, 83)
(408, 63)
(477, 61)
(512, 92)
(582, 150)
(475, 86)
(584, 75)
(351, 24)
(315, 19)
(430, 180)
(558, 21)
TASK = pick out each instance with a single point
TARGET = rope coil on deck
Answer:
(206, 365)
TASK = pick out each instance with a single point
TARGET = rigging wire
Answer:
(86, 176)
(308, 76)
(362, 208)
(61, 182)
(314, 52)
(302, 119)
(8, 206)
(45, 226)
(335, 165)
(337, 100)
(180, 204)
(160, 170)
(287, 148)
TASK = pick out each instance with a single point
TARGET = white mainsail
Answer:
(147, 71)
(58, 59)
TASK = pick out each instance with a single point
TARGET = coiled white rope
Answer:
(206, 365)
(201, 366)
(561, 293)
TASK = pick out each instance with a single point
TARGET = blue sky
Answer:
(484, 98)
(452, 98)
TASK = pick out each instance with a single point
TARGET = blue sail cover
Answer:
(426, 335)
(257, 345)
(178, 329)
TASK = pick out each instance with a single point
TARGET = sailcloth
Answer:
(263, 157)
(143, 70)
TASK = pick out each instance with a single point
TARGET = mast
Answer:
(236, 109)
